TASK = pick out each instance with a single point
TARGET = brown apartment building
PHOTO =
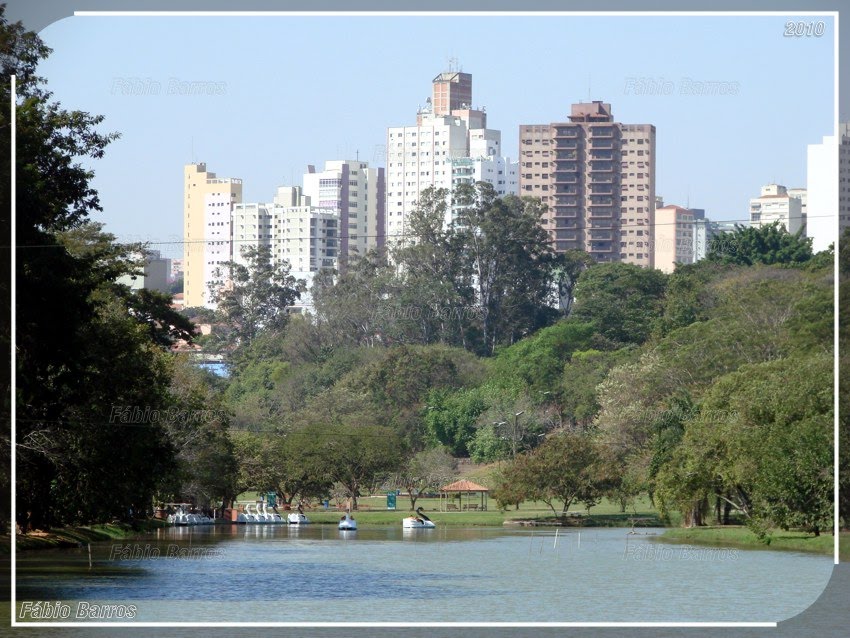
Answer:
(597, 179)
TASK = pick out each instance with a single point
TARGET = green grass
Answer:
(372, 511)
(743, 537)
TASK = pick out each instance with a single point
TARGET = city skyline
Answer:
(265, 108)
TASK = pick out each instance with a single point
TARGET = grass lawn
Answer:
(373, 511)
(742, 537)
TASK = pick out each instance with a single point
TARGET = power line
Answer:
(182, 242)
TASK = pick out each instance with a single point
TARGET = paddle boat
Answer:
(347, 522)
(297, 518)
(420, 521)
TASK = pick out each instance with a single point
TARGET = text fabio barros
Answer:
(57, 610)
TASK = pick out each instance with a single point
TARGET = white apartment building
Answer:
(418, 157)
(823, 214)
(305, 236)
(217, 244)
(251, 226)
(447, 129)
(775, 204)
(197, 184)
(356, 194)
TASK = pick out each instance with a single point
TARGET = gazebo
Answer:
(460, 489)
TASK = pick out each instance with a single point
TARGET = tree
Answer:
(426, 471)
(770, 457)
(354, 305)
(564, 468)
(511, 262)
(75, 463)
(433, 298)
(353, 455)
(450, 418)
(767, 244)
(567, 268)
(621, 300)
(197, 428)
(255, 296)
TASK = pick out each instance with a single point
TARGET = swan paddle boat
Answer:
(347, 522)
(297, 518)
(420, 521)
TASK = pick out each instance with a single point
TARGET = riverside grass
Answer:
(742, 537)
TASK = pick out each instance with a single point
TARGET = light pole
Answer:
(515, 433)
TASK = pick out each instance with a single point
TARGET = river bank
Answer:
(80, 535)
(739, 536)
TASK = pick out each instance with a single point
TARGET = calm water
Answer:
(271, 573)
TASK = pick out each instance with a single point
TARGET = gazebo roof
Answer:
(464, 486)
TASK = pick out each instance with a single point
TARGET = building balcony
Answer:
(602, 178)
(599, 166)
(601, 213)
(567, 144)
(564, 177)
(565, 212)
(562, 189)
(566, 221)
(566, 155)
(567, 165)
(601, 201)
(601, 143)
(600, 235)
(602, 131)
(569, 132)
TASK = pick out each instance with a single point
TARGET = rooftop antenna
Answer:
(357, 152)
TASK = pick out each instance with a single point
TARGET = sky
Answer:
(274, 94)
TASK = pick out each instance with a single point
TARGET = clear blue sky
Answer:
(300, 91)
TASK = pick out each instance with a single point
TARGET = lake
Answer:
(315, 573)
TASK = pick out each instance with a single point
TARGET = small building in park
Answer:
(463, 495)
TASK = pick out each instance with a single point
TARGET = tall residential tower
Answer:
(597, 178)
(207, 204)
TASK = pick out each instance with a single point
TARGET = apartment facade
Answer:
(775, 204)
(673, 237)
(419, 156)
(827, 172)
(356, 194)
(198, 184)
(597, 180)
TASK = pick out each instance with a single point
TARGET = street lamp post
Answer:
(514, 438)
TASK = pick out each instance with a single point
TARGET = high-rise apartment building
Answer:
(827, 172)
(203, 191)
(673, 239)
(304, 235)
(597, 179)
(447, 129)
(776, 205)
(356, 194)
